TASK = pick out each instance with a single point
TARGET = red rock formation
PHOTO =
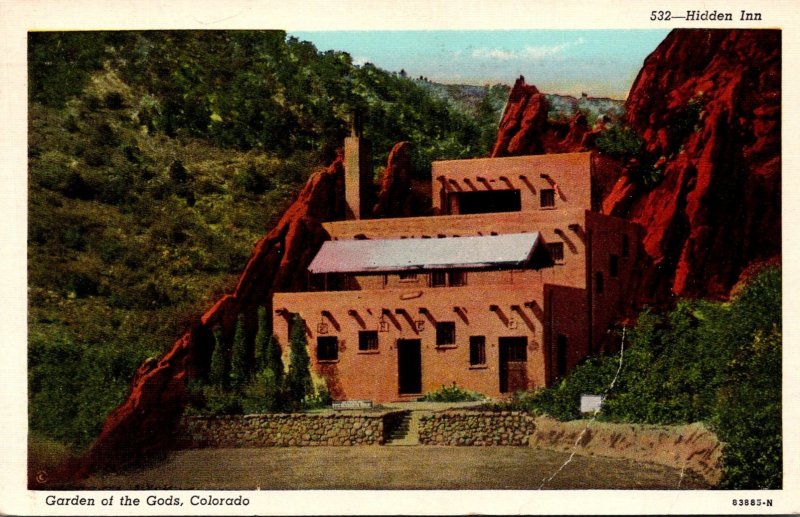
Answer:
(525, 128)
(395, 189)
(524, 122)
(578, 128)
(144, 423)
(707, 103)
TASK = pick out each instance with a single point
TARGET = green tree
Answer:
(270, 364)
(748, 416)
(60, 63)
(240, 364)
(177, 172)
(298, 380)
(274, 362)
(620, 141)
(219, 375)
(262, 340)
(274, 399)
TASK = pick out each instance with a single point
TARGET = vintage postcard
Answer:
(366, 258)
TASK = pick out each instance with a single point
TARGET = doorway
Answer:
(513, 364)
(409, 366)
(561, 355)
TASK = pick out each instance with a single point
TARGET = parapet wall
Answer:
(476, 428)
(287, 430)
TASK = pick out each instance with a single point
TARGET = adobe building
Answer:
(508, 286)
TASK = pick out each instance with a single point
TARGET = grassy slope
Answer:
(121, 255)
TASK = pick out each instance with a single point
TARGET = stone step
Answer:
(401, 429)
(411, 436)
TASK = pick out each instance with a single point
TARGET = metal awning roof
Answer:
(386, 255)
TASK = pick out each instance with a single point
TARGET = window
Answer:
(556, 250)
(327, 348)
(445, 278)
(445, 333)
(598, 282)
(368, 340)
(625, 246)
(547, 197)
(408, 276)
(456, 278)
(613, 266)
(483, 202)
(350, 283)
(477, 350)
(517, 351)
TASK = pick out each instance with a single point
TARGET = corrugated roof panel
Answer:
(385, 255)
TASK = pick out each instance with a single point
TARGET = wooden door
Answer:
(513, 364)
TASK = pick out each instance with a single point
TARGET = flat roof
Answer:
(539, 159)
(386, 255)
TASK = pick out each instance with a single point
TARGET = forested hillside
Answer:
(157, 159)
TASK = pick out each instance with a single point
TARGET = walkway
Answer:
(375, 467)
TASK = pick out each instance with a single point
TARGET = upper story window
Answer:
(625, 246)
(556, 250)
(350, 283)
(456, 278)
(408, 276)
(445, 333)
(445, 278)
(547, 197)
(599, 286)
(367, 340)
(484, 201)
(327, 348)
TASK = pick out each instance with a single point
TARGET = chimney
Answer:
(357, 171)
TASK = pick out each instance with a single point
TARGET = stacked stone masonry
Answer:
(287, 430)
(476, 428)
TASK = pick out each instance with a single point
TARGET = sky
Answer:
(601, 63)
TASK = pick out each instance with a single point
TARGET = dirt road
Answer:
(377, 468)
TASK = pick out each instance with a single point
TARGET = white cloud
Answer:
(528, 53)
(494, 53)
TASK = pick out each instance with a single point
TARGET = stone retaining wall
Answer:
(286, 430)
(476, 428)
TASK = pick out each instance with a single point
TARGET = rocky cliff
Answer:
(395, 189)
(707, 106)
(524, 123)
(537, 123)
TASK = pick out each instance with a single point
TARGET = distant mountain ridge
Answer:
(561, 108)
